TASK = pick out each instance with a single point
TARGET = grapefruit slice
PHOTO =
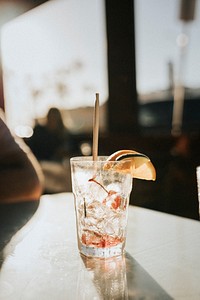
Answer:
(137, 164)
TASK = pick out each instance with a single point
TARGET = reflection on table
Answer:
(42, 260)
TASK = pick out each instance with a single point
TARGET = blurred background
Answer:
(142, 57)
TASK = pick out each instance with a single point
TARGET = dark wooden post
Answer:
(122, 104)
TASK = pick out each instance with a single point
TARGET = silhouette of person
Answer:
(52, 141)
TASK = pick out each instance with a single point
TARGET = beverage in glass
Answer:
(101, 203)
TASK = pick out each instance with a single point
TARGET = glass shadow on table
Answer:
(122, 278)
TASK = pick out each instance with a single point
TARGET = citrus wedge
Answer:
(137, 164)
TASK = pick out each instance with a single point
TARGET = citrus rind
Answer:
(137, 164)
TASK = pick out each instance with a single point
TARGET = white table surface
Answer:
(42, 261)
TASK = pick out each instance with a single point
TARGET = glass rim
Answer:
(102, 161)
(100, 158)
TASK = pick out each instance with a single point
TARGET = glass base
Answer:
(102, 252)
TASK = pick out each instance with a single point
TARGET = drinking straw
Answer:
(95, 128)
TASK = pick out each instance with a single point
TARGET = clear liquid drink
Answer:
(101, 203)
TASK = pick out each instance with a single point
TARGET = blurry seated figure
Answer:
(51, 141)
(180, 188)
(20, 173)
(53, 145)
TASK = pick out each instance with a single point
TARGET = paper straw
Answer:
(96, 128)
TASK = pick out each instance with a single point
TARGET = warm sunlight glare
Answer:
(54, 55)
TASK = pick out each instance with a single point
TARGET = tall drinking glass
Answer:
(101, 203)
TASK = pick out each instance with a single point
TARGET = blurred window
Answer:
(55, 55)
(166, 47)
